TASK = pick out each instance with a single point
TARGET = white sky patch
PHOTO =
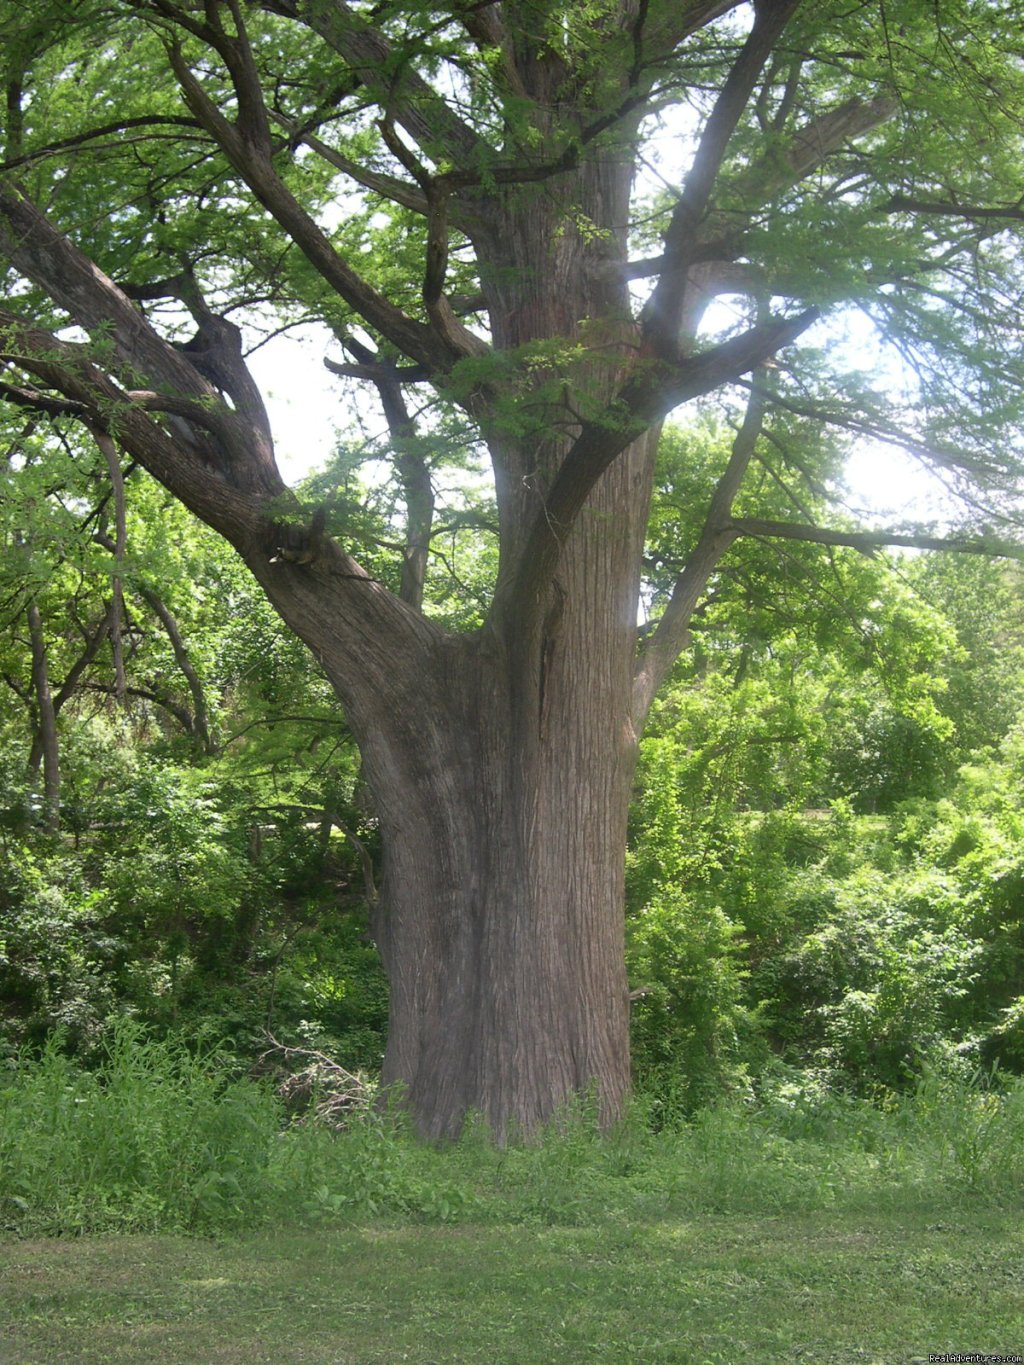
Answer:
(882, 484)
(886, 485)
(307, 405)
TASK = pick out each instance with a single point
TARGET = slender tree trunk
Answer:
(116, 613)
(47, 722)
(200, 719)
(72, 678)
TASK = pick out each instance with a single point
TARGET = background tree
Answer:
(206, 878)
(456, 195)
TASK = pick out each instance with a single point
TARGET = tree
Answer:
(80, 614)
(457, 193)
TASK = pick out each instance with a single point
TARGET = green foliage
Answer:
(880, 985)
(202, 878)
(902, 940)
(682, 949)
(689, 1023)
(183, 903)
(211, 887)
(158, 1136)
(161, 1136)
(813, 871)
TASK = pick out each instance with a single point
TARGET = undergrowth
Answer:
(163, 1138)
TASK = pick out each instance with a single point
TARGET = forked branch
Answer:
(389, 79)
(653, 391)
(255, 165)
(663, 312)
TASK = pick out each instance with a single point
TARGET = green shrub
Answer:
(688, 1022)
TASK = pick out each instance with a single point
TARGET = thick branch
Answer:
(375, 371)
(663, 311)
(365, 861)
(92, 648)
(166, 703)
(486, 26)
(229, 480)
(241, 450)
(50, 260)
(678, 21)
(71, 679)
(526, 172)
(216, 352)
(646, 398)
(458, 339)
(248, 515)
(92, 134)
(179, 460)
(387, 186)
(807, 151)
(35, 401)
(413, 471)
(817, 140)
(903, 203)
(722, 530)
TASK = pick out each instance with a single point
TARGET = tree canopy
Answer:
(271, 162)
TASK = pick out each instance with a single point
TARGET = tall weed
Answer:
(158, 1136)
(164, 1137)
(970, 1128)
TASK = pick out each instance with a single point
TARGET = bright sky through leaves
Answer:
(309, 407)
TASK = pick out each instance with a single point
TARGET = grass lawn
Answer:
(822, 1287)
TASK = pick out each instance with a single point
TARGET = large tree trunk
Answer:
(501, 768)
(501, 932)
(501, 764)
(503, 805)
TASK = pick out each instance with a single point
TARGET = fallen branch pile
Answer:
(321, 1091)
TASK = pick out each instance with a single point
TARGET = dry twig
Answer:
(322, 1091)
